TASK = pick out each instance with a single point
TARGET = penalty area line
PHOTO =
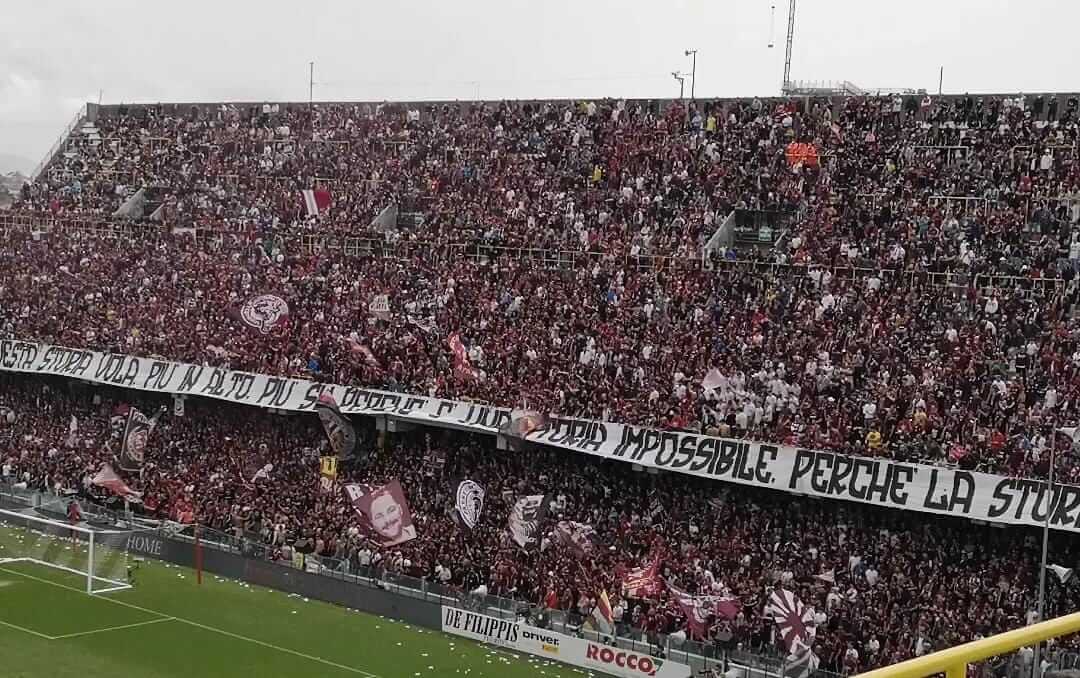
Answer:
(26, 630)
(79, 634)
(237, 636)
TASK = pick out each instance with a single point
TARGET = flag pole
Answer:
(1045, 542)
(198, 553)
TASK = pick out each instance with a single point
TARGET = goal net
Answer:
(97, 557)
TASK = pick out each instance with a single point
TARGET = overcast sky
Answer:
(56, 54)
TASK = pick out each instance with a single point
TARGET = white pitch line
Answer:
(25, 630)
(223, 632)
(114, 628)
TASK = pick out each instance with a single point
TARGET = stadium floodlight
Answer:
(100, 557)
(681, 79)
(693, 71)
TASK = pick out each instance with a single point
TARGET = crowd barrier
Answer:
(551, 259)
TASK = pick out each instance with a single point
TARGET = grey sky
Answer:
(56, 54)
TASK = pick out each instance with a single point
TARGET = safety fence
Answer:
(552, 259)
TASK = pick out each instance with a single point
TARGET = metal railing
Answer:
(552, 259)
(79, 116)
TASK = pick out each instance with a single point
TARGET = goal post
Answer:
(97, 556)
(953, 661)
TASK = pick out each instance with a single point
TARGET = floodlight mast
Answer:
(785, 87)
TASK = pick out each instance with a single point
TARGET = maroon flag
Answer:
(696, 608)
(316, 201)
(462, 367)
(794, 621)
(362, 351)
(579, 537)
(339, 430)
(523, 422)
(728, 608)
(644, 582)
(112, 482)
(384, 510)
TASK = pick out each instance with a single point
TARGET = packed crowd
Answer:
(885, 585)
(987, 184)
(878, 365)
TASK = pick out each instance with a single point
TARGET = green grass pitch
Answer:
(170, 627)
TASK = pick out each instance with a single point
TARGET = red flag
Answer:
(727, 608)
(109, 479)
(363, 351)
(644, 582)
(316, 201)
(696, 608)
(462, 367)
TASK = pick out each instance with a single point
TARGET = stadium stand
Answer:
(885, 584)
(879, 276)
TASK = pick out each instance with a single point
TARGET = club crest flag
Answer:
(263, 313)
(384, 512)
(137, 432)
(468, 503)
(525, 518)
(339, 430)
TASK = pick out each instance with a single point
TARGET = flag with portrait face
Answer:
(384, 512)
(522, 423)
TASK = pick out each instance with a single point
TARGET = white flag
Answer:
(1064, 574)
